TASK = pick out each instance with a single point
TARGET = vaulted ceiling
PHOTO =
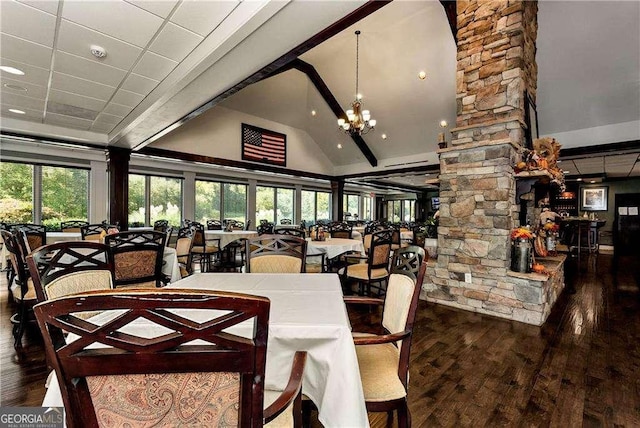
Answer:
(167, 58)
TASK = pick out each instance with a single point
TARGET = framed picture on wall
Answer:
(594, 198)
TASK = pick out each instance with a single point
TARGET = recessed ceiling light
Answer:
(592, 181)
(313, 112)
(98, 51)
(384, 136)
(11, 70)
(422, 75)
(443, 123)
(339, 145)
(579, 179)
(15, 110)
(15, 87)
(566, 172)
(358, 96)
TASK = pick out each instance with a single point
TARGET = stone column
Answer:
(478, 209)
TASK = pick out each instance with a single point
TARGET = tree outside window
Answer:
(235, 202)
(207, 201)
(16, 192)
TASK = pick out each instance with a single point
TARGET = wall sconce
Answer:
(442, 141)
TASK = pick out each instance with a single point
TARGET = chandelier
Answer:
(358, 121)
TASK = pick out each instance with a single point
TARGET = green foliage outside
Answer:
(165, 200)
(235, 202)
(207, 201)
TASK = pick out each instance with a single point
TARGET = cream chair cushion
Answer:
(16, 291)
(397, 302)
(78, 282)
(284, 419)
(361, 271)
(275, 264)
(379, 371)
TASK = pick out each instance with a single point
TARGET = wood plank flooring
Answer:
(582, 368)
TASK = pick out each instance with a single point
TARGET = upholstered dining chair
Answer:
(408, 259)
(21, 286)
(340, 230)
(29, 236)
(217, 381)
(137, 258)
(160, 225)
(72, 225)
(265, 228)
(383, 358)
(276, 254)
(300, 233)
(204, 250)
(214, 225)
(375, 270)
(70, 267)
(92, 232)
(184, 244)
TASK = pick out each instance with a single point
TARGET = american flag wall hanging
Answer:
(262, 145)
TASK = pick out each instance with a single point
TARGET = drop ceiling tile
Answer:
(154, 66)
(76, 85)
(175, 42)
(102, 127)
(202, 17)
(31, 115)
(126, 21)
(41, 28)
(18, 101)
(77, 40)
(127, 98)
(50, 6)
(69, 121)
(117, 110)
(87, 69)
(108, 119)
(24, 51)
(71, 110)
(35, 75)
(139, 84)
(161, 8)
(34, 91)
(76, 100)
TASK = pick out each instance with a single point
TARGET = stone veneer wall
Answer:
(478, 209)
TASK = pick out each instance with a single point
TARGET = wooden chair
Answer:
(92, 232)
(219, 381)
(232, 256)
(375, 271)
(300, 233)
(137, 258)
(160, 225)
(70, 267)
(384, 358)
(316, 263)
(340, 230)
(21, 287)
(265, 229)
(276, 254)
(408, 259)
(72, 225)
(203, 249)
(214, 225)
(29, 236)
(369, 229)
(287, 221)
(184, 244)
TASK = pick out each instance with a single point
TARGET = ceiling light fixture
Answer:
(339, 145)
(358, 121)
(11, 70)
(592, 181)
(579, 179)
(313, 112)
(15, 87)
(16, 111)
(98, 51)
(422, 75)
(443, 123)
(384, 136)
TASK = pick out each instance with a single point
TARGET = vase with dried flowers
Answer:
(521, 254)
(551, 230)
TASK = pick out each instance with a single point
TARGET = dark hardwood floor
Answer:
(582, 368)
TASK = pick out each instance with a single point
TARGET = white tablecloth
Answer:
(334, 246)
(227, 237)
(53, 237)
(307, 314)
(170, 266)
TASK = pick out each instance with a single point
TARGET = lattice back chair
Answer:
(420, 234)
(70, 267)
(161, 225)
(384, 358)
(408, 259)
(232, 256)
(204, 250)
(340, 230)
(300, 233)
(276, 254)
(21, 286)
(72, 225)
(92, 232)
(396, 237)
(214, 225)
(236, 225)
(286, 221)
(224, 372)
(247, 225)
(168, 233)
(369, 229)
(265, 229)
(137, 258)
(184, 244)
(375, 271)
(29, 236)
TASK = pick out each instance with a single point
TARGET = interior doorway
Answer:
(626, 231)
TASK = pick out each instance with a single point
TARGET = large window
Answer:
(351, 206)
(408, 213)
(63, 193)
(207, 201)
(366, 207)
(235, 202)
(274, 204)
(315, 206)
(394, 209)
(154, 198)
(401, 210)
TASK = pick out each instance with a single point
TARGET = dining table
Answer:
(333, 247)
(307, 314)
(228, 237)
